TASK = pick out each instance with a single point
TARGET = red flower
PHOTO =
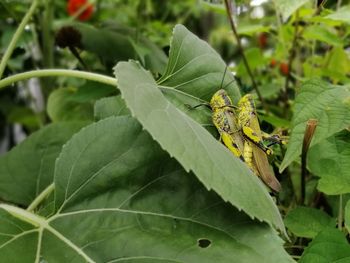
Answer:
(74, 6)
(284, 68)
(273, 63)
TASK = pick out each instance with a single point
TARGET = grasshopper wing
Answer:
(264, 169)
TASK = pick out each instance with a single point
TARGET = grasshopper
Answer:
(224, 119)
(254, 155)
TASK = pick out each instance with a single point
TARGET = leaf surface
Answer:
(329, 104)
(307, 221)
(287, 8)
(330, 160)
(28, 168)
(328, 246)
(195, 68)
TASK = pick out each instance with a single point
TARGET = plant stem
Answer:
(241, 50)
(16, 36)
(340, 213)
(58, 72)
(47, 191)
(292, 53)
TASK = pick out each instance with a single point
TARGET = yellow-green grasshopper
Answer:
(254, 155)
(223, 117)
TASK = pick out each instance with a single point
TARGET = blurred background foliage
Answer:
(285, 42)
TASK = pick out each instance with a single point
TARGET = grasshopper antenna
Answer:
(223, 77)
(222, 82)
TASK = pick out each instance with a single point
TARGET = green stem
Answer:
(340, 213)
(46, 24)
(47, 191)
(16, 36)
(58, 72)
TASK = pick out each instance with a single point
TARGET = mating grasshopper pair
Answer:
(239, 130)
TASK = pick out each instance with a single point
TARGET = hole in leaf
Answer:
(204, 242)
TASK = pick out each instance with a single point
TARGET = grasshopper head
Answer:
(246, 101)
(220, 99)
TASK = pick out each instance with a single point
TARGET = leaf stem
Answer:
(47, 191)
(24, 215)
(241, 50)
(16, 36)
(58, 72)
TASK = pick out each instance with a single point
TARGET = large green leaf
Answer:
(196, 68)
(329, 104)
(121, 198)
(28, 168)
(287, 7)
(193, 146)
(330, 160)
(328, 246)
(307, 221)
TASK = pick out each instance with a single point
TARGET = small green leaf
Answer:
(338, 64)
(330, 160)
(195, 68)
(28, 168)
(60, 107)
(193, 146)
(251, 29)
(287, 7)
(329, 104)
(328, 246)
(347, 216)
(307, 221)
(323, 34)
(111, 106)
(343, 14)
(92, 91)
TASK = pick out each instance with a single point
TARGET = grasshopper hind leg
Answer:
(227, 139)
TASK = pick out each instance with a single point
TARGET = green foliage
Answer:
(307, 222)
(328, 104)
(28, 168)
(61, 107)
(330, 245)
(330, 160)
(343, 15)
(148, 180)
(287, 8)
(195, 68)
(347, 216)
